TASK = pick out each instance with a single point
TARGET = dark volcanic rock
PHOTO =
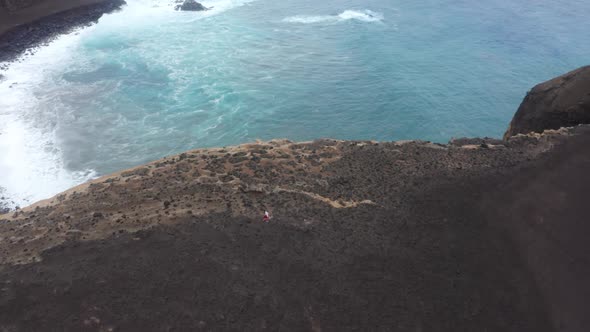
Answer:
(561, 102)
(191, 5)
(16, 41)
(402, 236)
(462, 141)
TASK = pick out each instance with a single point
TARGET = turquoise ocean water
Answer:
(148, 81)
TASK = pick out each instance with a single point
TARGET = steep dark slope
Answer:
(377, 236)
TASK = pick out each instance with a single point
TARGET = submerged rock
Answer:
(191, 5)
(561, 102)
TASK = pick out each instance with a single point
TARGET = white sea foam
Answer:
(363, 16)
(32, 165)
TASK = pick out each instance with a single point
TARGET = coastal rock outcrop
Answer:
(24, 29)
(560, 102)
(190, 5)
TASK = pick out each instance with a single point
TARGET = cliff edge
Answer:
(474, 235)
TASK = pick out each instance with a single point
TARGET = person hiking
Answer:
(266, 217)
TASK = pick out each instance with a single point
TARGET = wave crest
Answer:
(362, 16)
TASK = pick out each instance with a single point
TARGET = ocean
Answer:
(148, 81)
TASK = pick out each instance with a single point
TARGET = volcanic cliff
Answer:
(474, 235)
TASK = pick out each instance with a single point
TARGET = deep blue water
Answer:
(149, 82)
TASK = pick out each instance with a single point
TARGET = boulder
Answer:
(561, 102)
(191, 5)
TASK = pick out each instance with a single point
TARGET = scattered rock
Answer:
(142, 171)
(254, 187)
(191, 5)
(475, 141)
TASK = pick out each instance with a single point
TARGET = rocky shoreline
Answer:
(26, 25)
(474, 235)
(20, 36)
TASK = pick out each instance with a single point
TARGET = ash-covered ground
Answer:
(477, 235)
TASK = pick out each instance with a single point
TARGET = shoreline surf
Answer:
(23, 31)
(32, 163)
(169, 100)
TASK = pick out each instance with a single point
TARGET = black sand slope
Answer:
(379, 236)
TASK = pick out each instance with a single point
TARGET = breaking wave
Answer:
(36, 108)
(362, 16)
